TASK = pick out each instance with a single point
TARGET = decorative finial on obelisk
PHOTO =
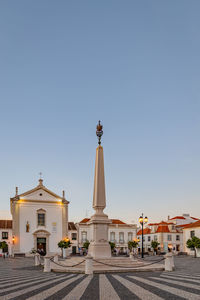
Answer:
(99, 132)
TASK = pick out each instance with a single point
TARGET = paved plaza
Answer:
(19, 279)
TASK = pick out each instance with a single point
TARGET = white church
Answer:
(40, 220)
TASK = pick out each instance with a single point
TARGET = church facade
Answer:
(40, 220)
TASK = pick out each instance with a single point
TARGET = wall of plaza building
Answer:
(119, 233)
(51, 230)
(167, 242)
(188, 234)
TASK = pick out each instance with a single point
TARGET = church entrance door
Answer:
(41, 246)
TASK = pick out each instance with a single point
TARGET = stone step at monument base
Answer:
(112, 265)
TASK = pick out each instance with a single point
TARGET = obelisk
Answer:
(99, 246)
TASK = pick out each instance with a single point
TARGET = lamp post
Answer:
(142, 221)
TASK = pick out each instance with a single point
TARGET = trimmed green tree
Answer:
(132, 244)
(86, 245)
(3, 245)
(154, 245)
(64, 244)
(193, 244)
(112, 246)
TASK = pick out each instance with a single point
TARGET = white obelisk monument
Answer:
(99, 246)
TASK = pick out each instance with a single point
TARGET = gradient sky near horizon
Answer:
(135, 65)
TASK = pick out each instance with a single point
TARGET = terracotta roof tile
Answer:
(178, 217)
(114, 221)
(85, 220)
(6, 224)
(193, 225)
(117, 221)
(145, 231)
(162, 228)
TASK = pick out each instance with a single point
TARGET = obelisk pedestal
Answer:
(99, 246)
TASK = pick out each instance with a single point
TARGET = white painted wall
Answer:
(111, 228)
(186, 236)
(28, 212)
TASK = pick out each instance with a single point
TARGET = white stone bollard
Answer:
(131, 255)
(37, 259)
(198, 252)
(47, 264)
(169, 262)
(89, 265)
(173, 265)
(55, 259)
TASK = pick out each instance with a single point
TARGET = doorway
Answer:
(41, 246)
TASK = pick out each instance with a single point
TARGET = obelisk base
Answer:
(99, 246)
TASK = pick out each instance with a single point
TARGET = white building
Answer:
(40, 220)
(119, 233)
(73, 236)
(166, 234)
(188, 232)
(6, 234)
(169, 234)
(182, 220)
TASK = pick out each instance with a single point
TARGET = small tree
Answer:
(112, 246)
(3, 246)
(86, 245)
(64, 243)
(132, 244)
(193, 244)
(154, 245)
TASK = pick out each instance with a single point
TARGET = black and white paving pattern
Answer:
(20, 280)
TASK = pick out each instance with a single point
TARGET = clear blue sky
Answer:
(133, 64)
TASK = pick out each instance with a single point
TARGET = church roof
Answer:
(38, 187)
(6, 224)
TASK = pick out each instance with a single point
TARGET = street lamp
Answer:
(142, 221)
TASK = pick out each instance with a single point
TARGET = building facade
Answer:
(73, 236)
(166, 234)
(40, 220)
(188, 232)
(119, 233)
(6, 235)
(169, 234)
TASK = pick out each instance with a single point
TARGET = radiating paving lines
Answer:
(15, 282)
(106, 290)
(79, 290)
(151, 286)
(11, 292)
(181, 278)
(53, 290)
(189, 285)
(164, 287)
(140, 292)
